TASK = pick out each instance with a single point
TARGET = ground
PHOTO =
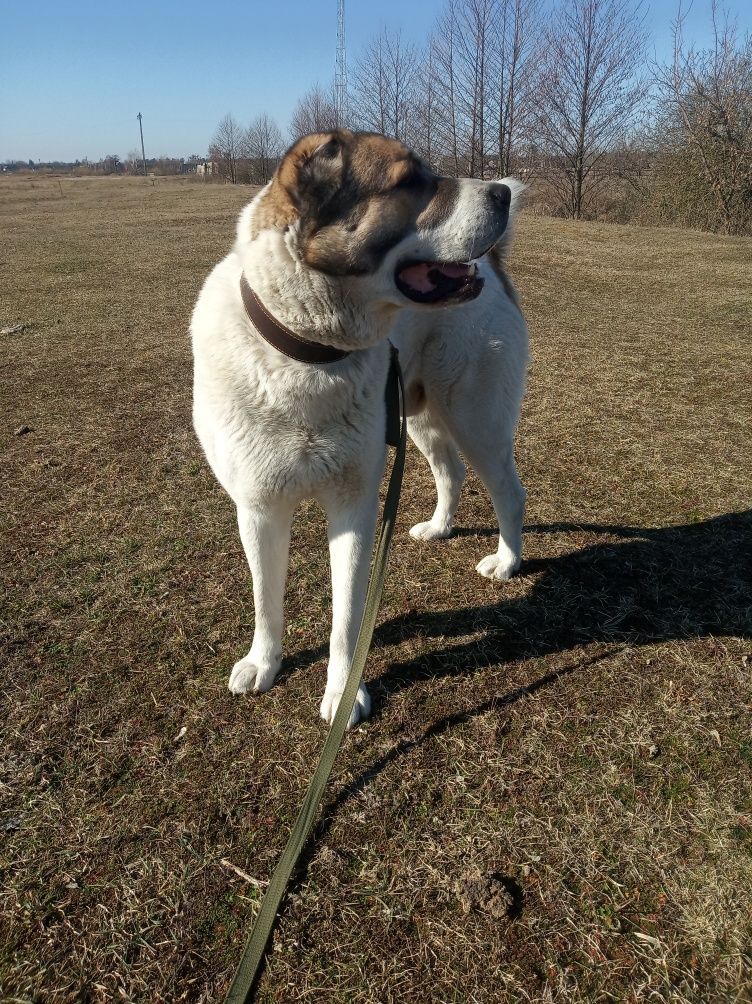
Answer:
(553, 799)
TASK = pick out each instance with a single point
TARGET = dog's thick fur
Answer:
(341, 247)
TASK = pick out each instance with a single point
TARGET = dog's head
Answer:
(363, 207)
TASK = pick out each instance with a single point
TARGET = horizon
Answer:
(65, 68)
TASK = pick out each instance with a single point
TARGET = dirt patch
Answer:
(497, 895)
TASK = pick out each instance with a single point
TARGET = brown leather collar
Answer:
(281, 337)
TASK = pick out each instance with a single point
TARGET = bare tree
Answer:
(425, 135)
(227, 147)
(463, 47)
(589, 92)
(475, 22)
(705, 126)
(315, 112)
(444, 55)
(263, 145)
(384, 78)
(402, 61)
(133, 162)
(371, 88)
(516, 29)
(484, 54)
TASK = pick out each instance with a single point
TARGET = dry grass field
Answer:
(553, 799)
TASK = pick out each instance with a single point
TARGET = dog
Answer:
(355, 243)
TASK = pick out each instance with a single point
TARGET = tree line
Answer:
(564, 98)
(110, 164)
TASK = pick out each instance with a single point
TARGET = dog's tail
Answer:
(501, 248)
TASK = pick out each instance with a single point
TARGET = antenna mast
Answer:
(340, 80)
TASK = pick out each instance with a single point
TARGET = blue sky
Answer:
(75, 74)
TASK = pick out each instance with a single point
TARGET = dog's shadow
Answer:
(640, 586)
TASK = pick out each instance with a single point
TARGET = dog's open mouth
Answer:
(438, 282)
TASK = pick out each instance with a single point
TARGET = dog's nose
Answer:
(501, 194)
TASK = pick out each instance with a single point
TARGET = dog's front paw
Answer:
(361, 708)
(246, 675)
(499, 566)
(430, 531)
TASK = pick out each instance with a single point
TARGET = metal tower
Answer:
(340, 79)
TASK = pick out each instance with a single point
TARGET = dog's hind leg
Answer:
(493, 462)
(265, 533)
(432, 439)
(477, 391)
(351, 526)
(508, 498)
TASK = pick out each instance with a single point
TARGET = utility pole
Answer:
(340, 80)
(143, 155)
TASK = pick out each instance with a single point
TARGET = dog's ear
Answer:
(308, 176)
(313, 169)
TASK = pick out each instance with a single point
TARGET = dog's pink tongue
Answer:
(453, 271)
(418, 276)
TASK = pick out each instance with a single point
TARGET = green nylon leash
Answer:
(253, 954)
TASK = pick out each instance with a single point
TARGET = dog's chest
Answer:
(295, 437)
(301, 456)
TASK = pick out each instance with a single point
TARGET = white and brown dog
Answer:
(353, 243)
